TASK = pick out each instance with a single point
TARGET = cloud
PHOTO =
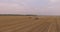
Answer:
(40, 7)
(4, 6)
(11, 6)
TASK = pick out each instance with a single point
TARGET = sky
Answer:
(38, 7)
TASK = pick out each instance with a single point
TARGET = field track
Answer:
(29, 24)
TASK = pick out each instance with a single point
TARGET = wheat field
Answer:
(29, 24)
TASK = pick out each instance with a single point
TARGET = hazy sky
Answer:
(40, 7)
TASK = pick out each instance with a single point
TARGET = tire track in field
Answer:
(20, 26)
(13, 23)
(25, 29)
(40, 27)
(52, 28)
(17, 25)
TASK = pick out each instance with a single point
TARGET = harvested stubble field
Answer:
(29, 24)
